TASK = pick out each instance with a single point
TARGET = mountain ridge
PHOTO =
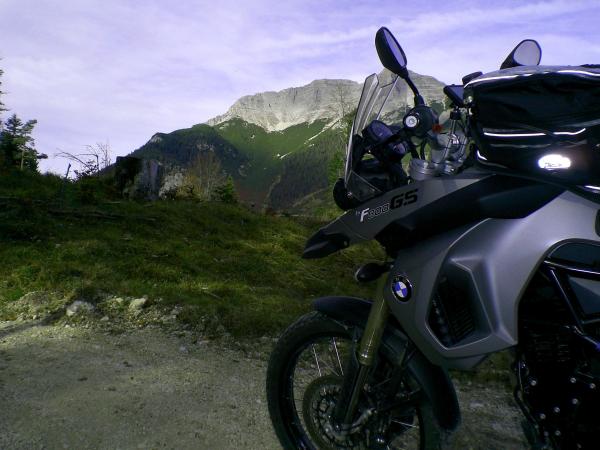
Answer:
(281, 146)
(318, 100)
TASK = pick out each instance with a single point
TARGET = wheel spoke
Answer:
(337, 354)
(404, 424)
(315, 378)
(317, 360)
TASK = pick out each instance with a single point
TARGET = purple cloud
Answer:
(122, 70)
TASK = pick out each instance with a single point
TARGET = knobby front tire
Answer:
(286, 410)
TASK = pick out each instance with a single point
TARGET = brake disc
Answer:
(317, 409)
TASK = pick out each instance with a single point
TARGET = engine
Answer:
(558, 373)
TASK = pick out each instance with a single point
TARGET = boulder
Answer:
(137, 304)
(139, 178)
(78, 307)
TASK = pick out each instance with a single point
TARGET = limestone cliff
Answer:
(321, 99)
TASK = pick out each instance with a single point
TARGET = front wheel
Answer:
(305, 377)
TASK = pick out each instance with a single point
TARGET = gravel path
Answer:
(77, 388)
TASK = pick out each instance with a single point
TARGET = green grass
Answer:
(261, 148)
(221, 260)
(240, 145)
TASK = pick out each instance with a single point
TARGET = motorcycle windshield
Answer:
(381, 99)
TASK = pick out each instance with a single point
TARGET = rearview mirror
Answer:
(390, 53)
(527, 53)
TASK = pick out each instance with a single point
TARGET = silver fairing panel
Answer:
(365, 222)
(497, 258)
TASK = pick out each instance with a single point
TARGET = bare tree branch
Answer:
(96, 158)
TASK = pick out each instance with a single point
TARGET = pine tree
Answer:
(1, 93)
(226, 192)
(17, 147)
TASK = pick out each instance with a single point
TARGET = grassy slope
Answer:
(223, 260)
(261, 149)
(238, 144)
(309, 170)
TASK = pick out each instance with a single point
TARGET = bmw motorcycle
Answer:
(491, 227)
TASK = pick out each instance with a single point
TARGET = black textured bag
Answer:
(539, 120)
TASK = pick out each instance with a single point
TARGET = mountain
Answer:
(281, 147)
(277, 111)
(178, 148)
(319, 100)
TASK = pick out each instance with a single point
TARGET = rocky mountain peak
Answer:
(319, 100)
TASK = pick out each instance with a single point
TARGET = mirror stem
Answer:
(418, 98)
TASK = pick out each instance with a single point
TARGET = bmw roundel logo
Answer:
(401, 288)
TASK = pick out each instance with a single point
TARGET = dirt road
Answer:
(77, 388)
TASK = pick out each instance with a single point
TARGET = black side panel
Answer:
(322, 244)
(579, 253)
(587, 292)
(434, 380)
(497, 197)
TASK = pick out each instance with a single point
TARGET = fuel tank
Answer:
(422, 209)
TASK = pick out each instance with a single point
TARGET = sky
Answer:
(118, 71)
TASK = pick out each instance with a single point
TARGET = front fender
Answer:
(433, 379)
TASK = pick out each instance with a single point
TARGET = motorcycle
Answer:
(492, 237)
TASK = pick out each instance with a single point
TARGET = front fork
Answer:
(362, 361)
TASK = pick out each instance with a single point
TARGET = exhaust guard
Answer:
(433, 379)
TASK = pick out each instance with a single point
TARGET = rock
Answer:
(118, 300)
(79, 306)
(171, 183)
(175, 311)
(36, 303)
(138, 304)
(319, 100)
(34, 298)
(275, 111)
(138, 178)
(183, 349)
(104, 319)
(168, 319)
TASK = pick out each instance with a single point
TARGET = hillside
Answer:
(280, 147)
(221, 263)
(201, 271)
(265, 152)
(178, 148)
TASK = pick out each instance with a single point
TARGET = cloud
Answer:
(126, 69)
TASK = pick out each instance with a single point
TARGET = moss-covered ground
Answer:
(221, 260)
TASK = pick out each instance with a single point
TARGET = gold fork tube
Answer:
(371, 338)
